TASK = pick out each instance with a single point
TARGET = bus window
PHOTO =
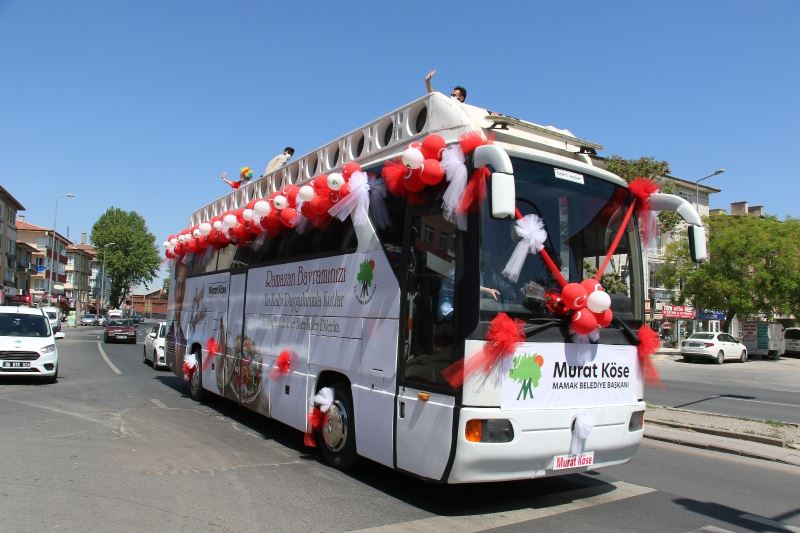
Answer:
(391, 236)
(225, 257)
(428, 347)
(336, 238)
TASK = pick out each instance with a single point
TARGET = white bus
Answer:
(374, 312)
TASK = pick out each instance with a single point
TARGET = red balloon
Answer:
(335, 196)
(169, 254)
(252, 203)
(574, 296)
(290, 192)
(432, 172)
(237, 231)
(583, 322)
(432, 147)
(319, 205)
(604, 318)
(192, 245)
(240, 215)
(222, 240)
(288, 216)
(321, 182)
(591, 285)
(349, 168)
(273, 220)
(413, 183)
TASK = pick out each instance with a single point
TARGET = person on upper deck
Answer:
(244, 177)
(279, 160)
(458, 92)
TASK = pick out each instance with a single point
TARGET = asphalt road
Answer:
(763, 390)
(101, 451)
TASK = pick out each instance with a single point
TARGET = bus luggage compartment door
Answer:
(424, 431)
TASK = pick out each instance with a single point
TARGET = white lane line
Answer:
(770, 523)
(758, 401)
(158, 403)
(574, 500)
(107, 360)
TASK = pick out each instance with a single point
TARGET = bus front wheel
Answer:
(338, 435)
(195, 383)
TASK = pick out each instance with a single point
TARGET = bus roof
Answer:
(390, 134)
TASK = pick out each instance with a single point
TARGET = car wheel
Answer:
(338, 435)
(144, 355)
(155, 358)
(720, 357)
(196, 383)
(743, 357)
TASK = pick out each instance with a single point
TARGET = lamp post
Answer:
(103, 278)
(51, 277)
(697, 186)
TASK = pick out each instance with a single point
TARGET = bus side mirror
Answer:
(503, 190)
(697, 243)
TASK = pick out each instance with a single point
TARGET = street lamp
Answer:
(697, 186)
(103, 278)
(51, 276)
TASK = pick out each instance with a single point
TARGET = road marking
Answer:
(107, 360)
(711, 529)
(574, 500)
(158, 403)
(770, 523)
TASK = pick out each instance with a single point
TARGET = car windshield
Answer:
(582, 215)
(793, 334)
(702, 336)
(162, 332)
(23, 326)
(90, 316)
(52, 315)
(119, 322)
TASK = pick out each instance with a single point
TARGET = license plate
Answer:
(122, 336)
(16, 364)
(562, 462)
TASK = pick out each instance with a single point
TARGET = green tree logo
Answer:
(364, 276)
(527, 371)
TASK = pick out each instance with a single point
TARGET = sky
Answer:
(142, 104)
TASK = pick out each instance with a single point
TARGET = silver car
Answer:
(717, 346)
(89, 320)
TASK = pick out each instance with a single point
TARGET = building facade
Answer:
(79, 270)
(51, 262)
(9, 206)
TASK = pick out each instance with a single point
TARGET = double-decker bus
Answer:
(372, 316)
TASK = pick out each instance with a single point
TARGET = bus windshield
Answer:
(582, 215)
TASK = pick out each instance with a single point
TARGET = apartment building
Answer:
(79, 270)
(50, 259)
(9, 206)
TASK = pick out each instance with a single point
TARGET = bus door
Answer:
(425, 403)
(231, 339)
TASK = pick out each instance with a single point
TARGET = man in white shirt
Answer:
(279, 160)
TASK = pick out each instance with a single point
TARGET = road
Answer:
(764, 390)
(101, 451)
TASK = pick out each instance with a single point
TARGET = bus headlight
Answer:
(492, 430)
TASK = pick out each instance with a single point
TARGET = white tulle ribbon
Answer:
(356, 203)
(532, 235)
(301, 223)
(455, 171)
(584, 424)
(324, 398)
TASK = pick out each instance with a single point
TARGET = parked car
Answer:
(101, 320)
(154, 345)
(716, 346)
(28, 344)
(89, 320)
(54, 315)
(791, 340)
(119, 329)
(137, 318)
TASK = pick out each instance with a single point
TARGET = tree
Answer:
(165, 288)
(133, 258)
(647, 167)
(751, 270)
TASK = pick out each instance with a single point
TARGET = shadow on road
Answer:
(735, 517)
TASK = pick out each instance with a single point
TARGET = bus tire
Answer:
(196, 383)
(337, 439)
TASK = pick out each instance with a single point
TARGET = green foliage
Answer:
(611, 281)
(165, 288)
(133, 258)
(365, 273)
(647, 167)
(752, 267)
(525, 368)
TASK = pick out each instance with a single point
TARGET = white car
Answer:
(154, 345)
(791, 339)
(27, 344)
(717, 346)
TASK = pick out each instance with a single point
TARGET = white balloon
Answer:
(598, 301)
(173, 242)
(196, 233)
(413, 158)
(205, 228)
(181, 238)
(280, 202)
(261, 208)
(335, 181)
(165, 245)
(247, 214)
(217, 225)
(229, 220)
(306, 193)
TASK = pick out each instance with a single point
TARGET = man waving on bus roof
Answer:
(458, 92)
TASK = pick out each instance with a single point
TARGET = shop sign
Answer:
(678, 311)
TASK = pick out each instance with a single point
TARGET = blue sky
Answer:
(140, 105)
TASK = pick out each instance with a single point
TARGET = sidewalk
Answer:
(749, 438)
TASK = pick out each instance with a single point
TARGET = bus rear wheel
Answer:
(196, 383)
(338, 435)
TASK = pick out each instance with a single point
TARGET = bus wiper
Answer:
(537, 325)
(626, 329)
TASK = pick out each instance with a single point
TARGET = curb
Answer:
(721, 433)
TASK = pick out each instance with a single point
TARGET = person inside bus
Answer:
(279, 160)
(458, 92)
(244, 178)
(444, 311)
